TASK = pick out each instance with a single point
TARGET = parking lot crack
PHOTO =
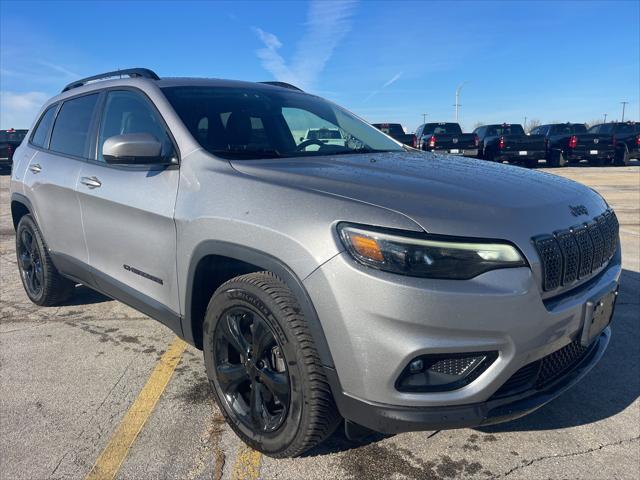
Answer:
(566, 455)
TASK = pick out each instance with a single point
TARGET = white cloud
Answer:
(394, 79)
(327, 24)
(18, 110)
(391, 81)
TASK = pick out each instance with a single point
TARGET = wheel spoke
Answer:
(38, 274)
(231, 376)
(260, 337)
(233, 334)
(277, 383)
(25, 260)
(256, 406)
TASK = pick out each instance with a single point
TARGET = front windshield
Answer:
(248, 123)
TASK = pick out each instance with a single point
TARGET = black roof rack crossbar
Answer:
(283, 85)
(131, 72)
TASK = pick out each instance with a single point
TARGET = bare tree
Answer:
(533, 123)
(593, 122)
(477, 124)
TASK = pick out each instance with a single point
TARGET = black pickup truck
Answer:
(9, 141)
(569, 142)
(395, 131)
(446, 137)
(625, 136)
(509, 142)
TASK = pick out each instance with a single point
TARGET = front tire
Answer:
(264, 368)
(41, 280)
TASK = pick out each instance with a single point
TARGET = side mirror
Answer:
(132, 149)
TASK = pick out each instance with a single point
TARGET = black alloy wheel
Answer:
(251, 370)
(30, 263)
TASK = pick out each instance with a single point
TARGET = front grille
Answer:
(545, 371)
(570, 255)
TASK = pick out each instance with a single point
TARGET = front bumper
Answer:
(376, 322)
(391, 419)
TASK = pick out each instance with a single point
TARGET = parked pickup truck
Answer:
(396, 131)
(446, 138)
(570, 142)
(625, 136)
(509, 142)
(9, 141)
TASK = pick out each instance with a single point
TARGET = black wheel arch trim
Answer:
(20, 198)
(267, 262)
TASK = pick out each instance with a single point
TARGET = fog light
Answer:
(443, 372)
(416, 366)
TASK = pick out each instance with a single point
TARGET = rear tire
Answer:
(258, 314)
(41, 280)
(557, 159)
(622, 157)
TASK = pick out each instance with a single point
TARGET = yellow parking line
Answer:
(109, 461)
(247, 466)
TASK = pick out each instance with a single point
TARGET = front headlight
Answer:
(423, 255)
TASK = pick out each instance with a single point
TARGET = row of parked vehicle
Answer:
(560, 144)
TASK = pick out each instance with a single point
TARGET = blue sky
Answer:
(386, 61)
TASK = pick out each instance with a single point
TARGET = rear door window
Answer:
(70, 134)
(44, 125)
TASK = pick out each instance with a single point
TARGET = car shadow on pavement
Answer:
(85, 296)
(610, 387)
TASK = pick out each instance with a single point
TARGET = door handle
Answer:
(35, 168)
(91, 182)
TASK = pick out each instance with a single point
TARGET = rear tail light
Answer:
(501, 142)
(573, 141)
(613, 140)
(9, 152)
(637, 139)
(432, 141)
(414, 141)
(476, 140)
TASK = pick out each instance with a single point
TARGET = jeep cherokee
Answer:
(394, 288)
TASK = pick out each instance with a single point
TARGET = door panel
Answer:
(50, 184)
(127, 210)
(129, 228)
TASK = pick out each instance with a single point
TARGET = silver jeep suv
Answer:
(362, 279)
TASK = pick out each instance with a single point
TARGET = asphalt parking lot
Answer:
(69, 376)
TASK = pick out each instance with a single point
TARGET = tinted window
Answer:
(41, 131)
(128, 112)
(568, 129)
(390, 128)
(247, 123)
(442, 128)
(71, 130)
(625, 128)
(605, 128)
(506, 130)
(13, 136)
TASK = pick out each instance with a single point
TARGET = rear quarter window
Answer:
(41, 131)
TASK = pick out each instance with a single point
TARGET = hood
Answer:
(443, 194)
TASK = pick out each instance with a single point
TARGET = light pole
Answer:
(457, 104)
(624, 104)
(525, 123)
(424, 117)
(605, 117)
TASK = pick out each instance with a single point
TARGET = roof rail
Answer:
(131, 72)
(283, 85)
